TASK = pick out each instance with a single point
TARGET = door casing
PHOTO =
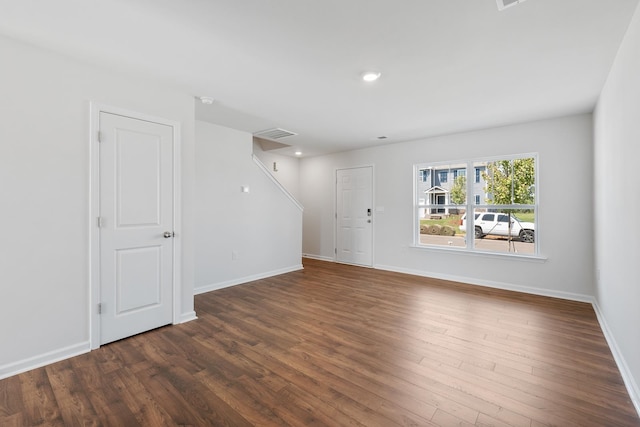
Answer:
(94, 213)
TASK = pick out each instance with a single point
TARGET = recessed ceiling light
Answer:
(206, 100)
(370, 76)
(298, 153)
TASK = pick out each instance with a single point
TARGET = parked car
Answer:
(497, 224)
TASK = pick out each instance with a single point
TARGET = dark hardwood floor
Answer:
(340, 345)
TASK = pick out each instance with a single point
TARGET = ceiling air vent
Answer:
(503, 4)
(275, 133)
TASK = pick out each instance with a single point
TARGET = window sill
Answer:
(485, 254)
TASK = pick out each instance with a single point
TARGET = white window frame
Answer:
(470, 205)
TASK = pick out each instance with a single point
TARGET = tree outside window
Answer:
(510, 182)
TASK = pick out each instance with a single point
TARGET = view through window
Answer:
(497, 207)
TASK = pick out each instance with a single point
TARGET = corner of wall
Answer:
(625, 372)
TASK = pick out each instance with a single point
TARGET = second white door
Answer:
(354, 214)
(136, 230)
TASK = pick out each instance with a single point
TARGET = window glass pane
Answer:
(440, 226)
(508, 182)
(507, 231)
(459, 172)
(444, 196)
(438, 186)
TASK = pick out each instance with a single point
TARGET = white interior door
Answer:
(136, 226)
(354, 204)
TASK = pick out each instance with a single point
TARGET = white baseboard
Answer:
(318, 257)
(48, 358)
(491, 284)
(246, 279)
(629, 381)
(21, 366)
(187, 317)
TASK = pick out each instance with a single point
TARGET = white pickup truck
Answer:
(497, 224)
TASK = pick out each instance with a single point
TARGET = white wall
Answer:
(565, 218)
(44, 188)
(617, 203)
(288, 173)
(263, 227)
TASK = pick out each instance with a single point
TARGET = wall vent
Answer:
(275, 133)
(503, 4)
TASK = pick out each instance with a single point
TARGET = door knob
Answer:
(168, 234)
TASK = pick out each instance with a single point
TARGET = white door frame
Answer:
(373, 210)
(94, 212)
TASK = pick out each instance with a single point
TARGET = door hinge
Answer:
(100, 308)
(335, 251)
(99, 222)
(336, 215)
(99, 136)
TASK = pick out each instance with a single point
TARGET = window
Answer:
(504, 206)
(424, 175)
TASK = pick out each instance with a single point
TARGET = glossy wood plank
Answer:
(338, 345)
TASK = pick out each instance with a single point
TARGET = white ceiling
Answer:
(447, 65)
